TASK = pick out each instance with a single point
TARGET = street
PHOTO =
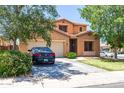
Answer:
(113, 85)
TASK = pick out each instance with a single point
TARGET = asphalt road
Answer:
(113, 85)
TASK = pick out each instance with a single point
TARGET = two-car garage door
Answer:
(56, 47)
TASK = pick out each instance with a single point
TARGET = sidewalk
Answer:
(87, 80)
(74, 81)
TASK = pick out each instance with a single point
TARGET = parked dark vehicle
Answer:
(42, 55)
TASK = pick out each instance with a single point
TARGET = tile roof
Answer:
(72, 22)
(71, 35)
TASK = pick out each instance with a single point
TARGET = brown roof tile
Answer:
(72, 22)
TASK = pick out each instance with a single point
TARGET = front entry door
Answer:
(73, 45)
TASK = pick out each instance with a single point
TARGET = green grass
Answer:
(105, 64)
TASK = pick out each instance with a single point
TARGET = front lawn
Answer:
(105, 64)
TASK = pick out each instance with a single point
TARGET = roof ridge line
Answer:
(71, 22)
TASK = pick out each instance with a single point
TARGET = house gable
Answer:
(82, 38)
(65, 23)
(72, 27)
(59, 35)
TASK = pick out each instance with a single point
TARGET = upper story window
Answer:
(63, 28)
(80, 29)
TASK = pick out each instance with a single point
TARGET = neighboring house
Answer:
(105, 47)
(68, 37)
(4, 45)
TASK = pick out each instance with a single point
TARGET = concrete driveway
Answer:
(63, 69)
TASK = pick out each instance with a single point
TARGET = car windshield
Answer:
(40, 49)
(106, 52)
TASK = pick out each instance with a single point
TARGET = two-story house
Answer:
(69, 37)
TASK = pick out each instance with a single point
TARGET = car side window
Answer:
(35, 51)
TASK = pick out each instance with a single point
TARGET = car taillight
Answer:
(38, 55)
(52, 54)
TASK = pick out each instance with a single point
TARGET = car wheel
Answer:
(33, 63)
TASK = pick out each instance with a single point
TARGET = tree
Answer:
(27, 22)
(107, 22)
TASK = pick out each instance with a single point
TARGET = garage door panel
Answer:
(56, 47)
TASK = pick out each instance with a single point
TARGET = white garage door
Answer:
(56, 47)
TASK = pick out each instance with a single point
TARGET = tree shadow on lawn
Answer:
(59, 71)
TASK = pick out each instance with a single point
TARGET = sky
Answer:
(71, 13)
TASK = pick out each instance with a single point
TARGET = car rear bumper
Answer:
(50, 61)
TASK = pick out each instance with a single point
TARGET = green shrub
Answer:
(71, 55)
(14, 63)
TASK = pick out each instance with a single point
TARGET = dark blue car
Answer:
(42, 55)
